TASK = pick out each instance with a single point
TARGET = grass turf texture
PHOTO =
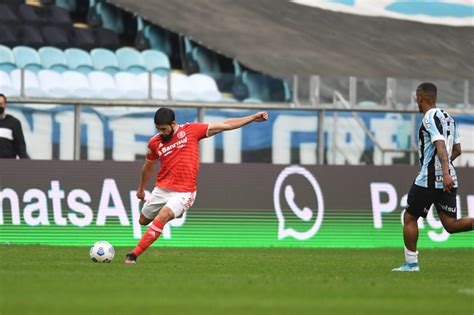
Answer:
(62, 280)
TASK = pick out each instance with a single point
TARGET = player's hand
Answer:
(448, 183)
(261, 116)
(141, 195)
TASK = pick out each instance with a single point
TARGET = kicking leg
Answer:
(453, 225)
(151, 234)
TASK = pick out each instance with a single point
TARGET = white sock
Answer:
(411, 257)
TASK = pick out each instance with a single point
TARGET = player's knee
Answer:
(144, 221)
(450, 228)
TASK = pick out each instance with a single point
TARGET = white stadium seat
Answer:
(32, 86)
(77, 84)
(52, 84)
(205, 88)
(129, 85)
(181, 88)
(159, 85)
(103, 84)
(6, 85)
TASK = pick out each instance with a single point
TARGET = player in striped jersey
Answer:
(439, 145)
(176, 147)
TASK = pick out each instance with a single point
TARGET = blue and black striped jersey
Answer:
(437, 124)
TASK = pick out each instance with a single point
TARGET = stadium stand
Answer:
(51, 35)
(77, 84)
(103, 85)
(385, 47)
(181, 89)
(159, 85)
(51, 83)
(83, 38)
(31, 83)
(53, 58)
(205, 88)
(55, 36)
(8, 35)
(129, 59)
(78, 59)
(28, 58)
(104, 59)
(130, 86)
(7, 61)
(8, 15)
(156, 61)
(6, 85)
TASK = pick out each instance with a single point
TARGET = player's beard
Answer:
(167, 137)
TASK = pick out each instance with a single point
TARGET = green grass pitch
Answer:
(62, 280)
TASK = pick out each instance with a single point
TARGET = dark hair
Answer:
(164, 116)
(3, 95)
(429, 89)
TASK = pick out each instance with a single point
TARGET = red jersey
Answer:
(179, 157)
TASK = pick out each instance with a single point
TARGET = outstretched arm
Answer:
(234, 123)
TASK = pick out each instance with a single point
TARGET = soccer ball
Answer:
(102, 251)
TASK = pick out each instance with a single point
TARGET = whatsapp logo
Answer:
(284, 190)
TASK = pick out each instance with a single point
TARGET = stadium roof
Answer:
(282, 38)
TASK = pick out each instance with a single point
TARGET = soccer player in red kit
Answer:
(177, 149)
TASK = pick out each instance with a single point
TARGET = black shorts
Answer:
(420, 200)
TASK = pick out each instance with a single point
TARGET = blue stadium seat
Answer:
(79, 60)
(367, 104)
(53, 58)
(252, 100)
(129, 59)
(156, 61)
(7, 60)
(28, 58)
(256, 85)
(207, 61)
(188, 45)
(105, 60)
(158, 39)
(110, 16)
(70, 5)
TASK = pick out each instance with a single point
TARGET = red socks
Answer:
(150, 235)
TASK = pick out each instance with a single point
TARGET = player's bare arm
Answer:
(147, 172)
(448, 181)
(234, 123)
(456, 151)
